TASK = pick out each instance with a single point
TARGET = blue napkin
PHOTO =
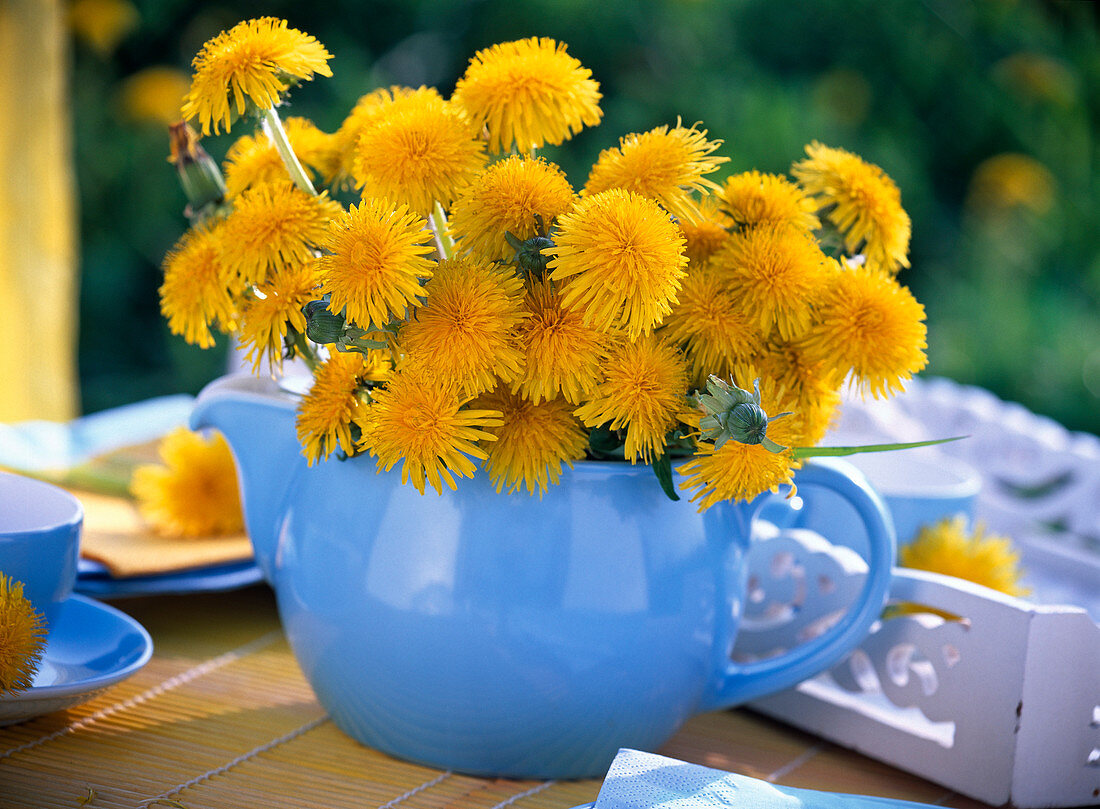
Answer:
(639, 780)
(42, 446)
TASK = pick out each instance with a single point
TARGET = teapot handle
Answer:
(739, 682)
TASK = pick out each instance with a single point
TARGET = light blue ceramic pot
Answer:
(511, 635)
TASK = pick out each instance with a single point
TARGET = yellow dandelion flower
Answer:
(706, 235)
(508, 197)
(947, 547)
(861, 201)
(643, 390)
(369, 109)
(562, 354)
(528, 93)
(198, 290)
(423, 150)
(664, 164)
(620, 259)
(274, 224)
(253, 159)
(533, 442)
(466, 330)
(326, 413)
(272, 309)
(711, 325)
(778, 273)
(153, 95)
(255, 61)
(22, 638)
(376, 262)
(752, 198)
(419, 420)
(194, 492)
(737, 471)
(872, 325)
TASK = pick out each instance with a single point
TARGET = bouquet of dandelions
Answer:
(469, 305)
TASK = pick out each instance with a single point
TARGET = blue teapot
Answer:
(512, 635)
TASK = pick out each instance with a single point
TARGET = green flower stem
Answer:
(438, 220)
(304, 350)
(273, 126)
(798, 453)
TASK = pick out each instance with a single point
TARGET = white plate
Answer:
(92, 646)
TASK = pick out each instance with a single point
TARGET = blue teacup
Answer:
(39, 540)
(921, 489)
(918, 489)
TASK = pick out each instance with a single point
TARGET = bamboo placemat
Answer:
(222, 717)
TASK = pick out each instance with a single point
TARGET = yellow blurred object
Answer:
(1007, 181)
(37, 216)
(155, 95)
(102, 23)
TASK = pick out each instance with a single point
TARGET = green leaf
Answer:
(605, 442)
(662, 467)
(798, 453)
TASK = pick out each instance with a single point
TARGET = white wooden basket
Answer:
(995, 697)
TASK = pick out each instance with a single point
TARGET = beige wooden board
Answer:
(222, 717)
(116, 536)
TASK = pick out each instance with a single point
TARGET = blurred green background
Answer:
(984, 113)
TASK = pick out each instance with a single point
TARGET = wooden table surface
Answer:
(222, 717)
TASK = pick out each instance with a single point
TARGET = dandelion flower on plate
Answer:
(253, 159)
(466, 330)
(375, 262)
(509, 197)
(423, 150)
(194, 492)
(872, 325)
(861, 201)
(562, 354)
(778, 272)
(254, 62)
(947, 547)
(199, 291)
(274, 224)
(420, 420)
(533, 442)
(752, 198)
(619, 258)
(273, 309)
(642, 390)
(326, 414)
(22, 638)
(528, 93)
(664, 164)
(711, 326)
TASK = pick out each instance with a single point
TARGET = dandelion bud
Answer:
(323, 326)
(747, 423)
(199, 175)
(734, 413)
(529, 257)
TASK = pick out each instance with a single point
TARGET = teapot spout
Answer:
(257, 419)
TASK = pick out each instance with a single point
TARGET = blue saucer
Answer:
(94, 580)
(92, 646)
